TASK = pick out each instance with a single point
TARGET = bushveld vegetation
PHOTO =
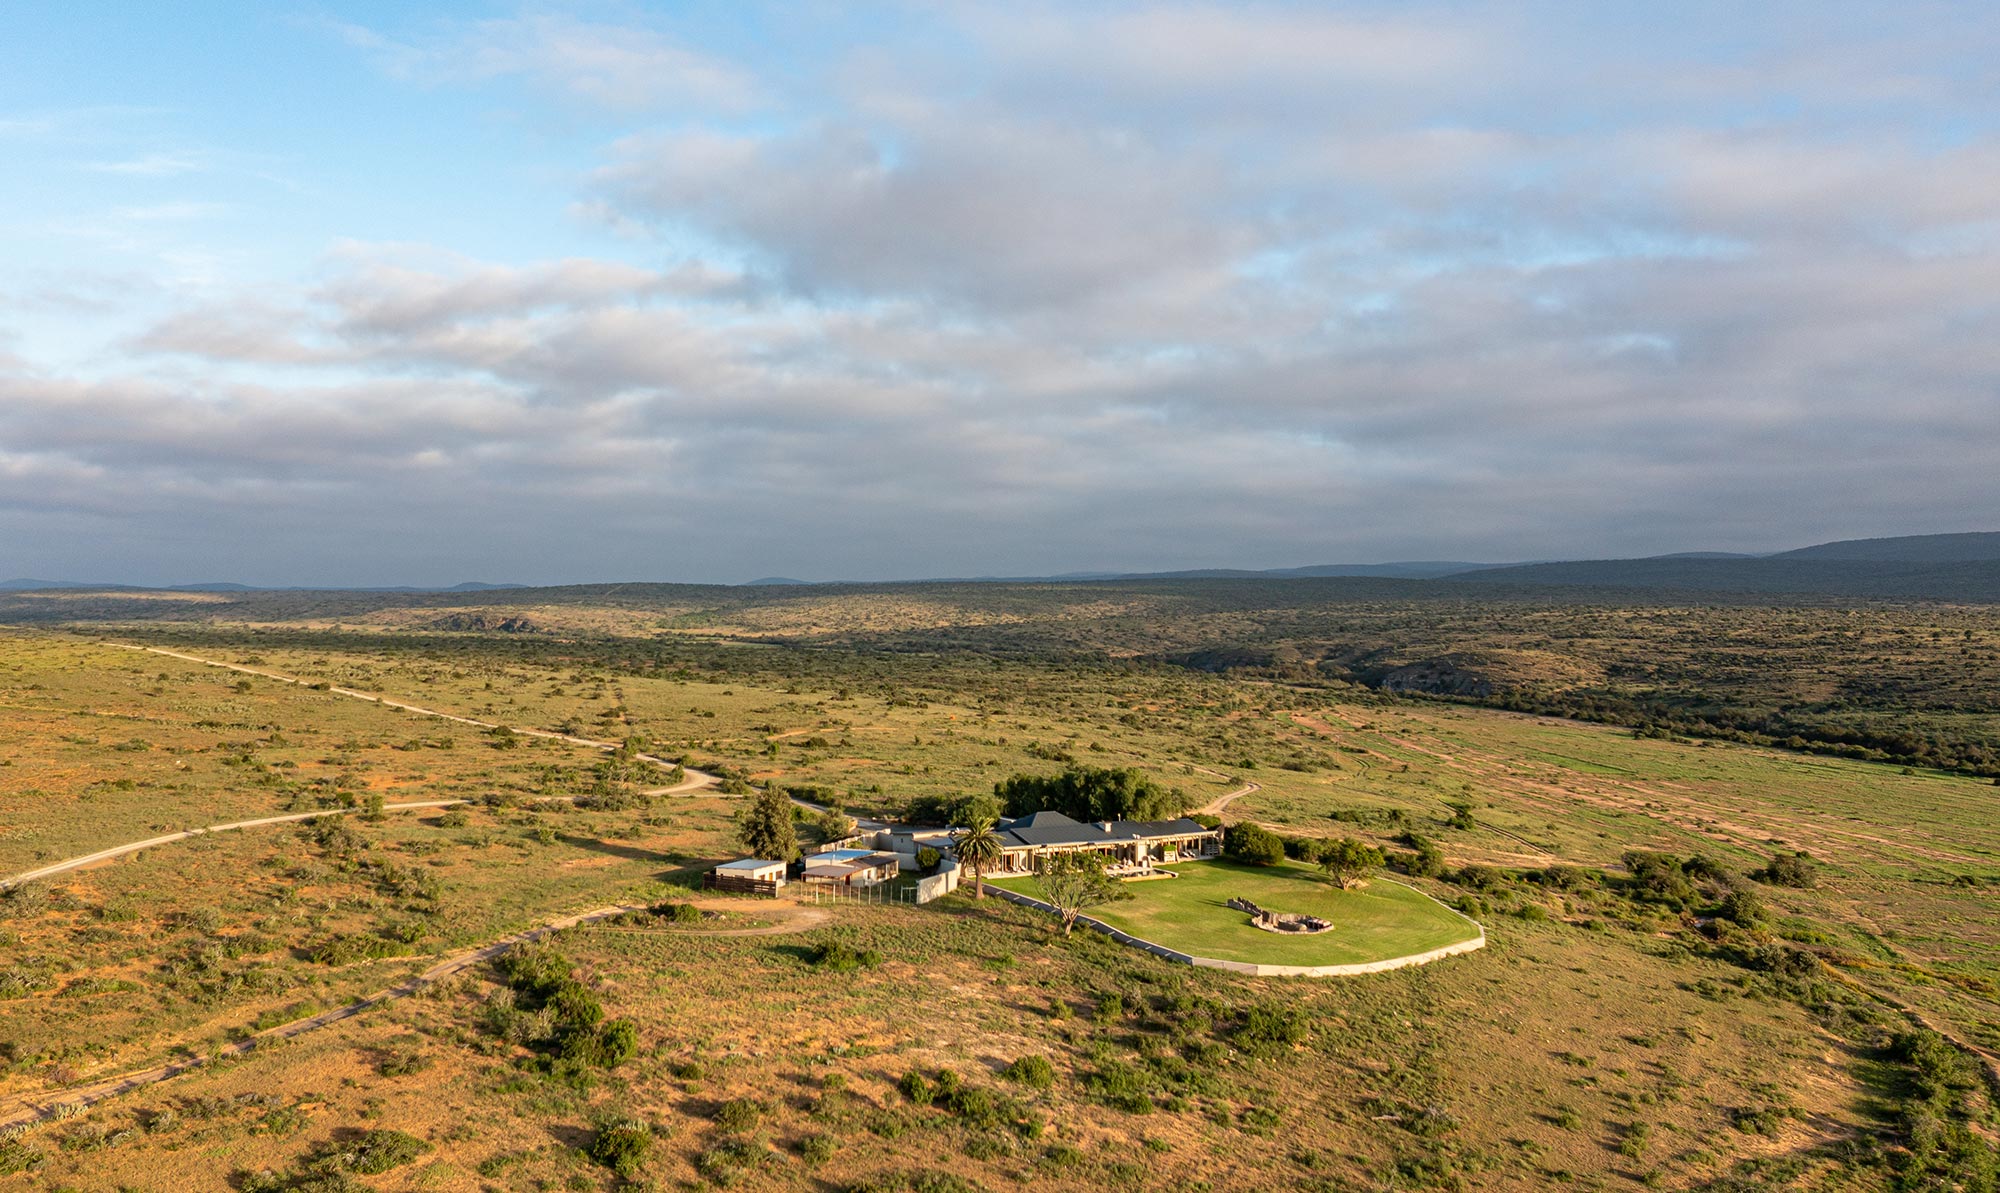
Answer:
(1719, 965)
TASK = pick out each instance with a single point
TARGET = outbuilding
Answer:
(750, 875)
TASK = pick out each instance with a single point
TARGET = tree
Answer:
(1253, 845)
(1091, 793)
(978, 847)
(833, 825)
(1073, 883)
(765, 828)
(1348, 862)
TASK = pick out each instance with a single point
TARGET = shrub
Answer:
(1265, 1029)
(928, 859)
(917, 1088)
(739, 1114)
(606, 1048)
(1742, 908)
(1121, 1086)
(840, 957)
(1035, 1072)
(817, 1149)
(1796, 869)
(1658, 877)
(621, 1145)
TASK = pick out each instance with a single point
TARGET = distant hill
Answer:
(45, 585)
(773, 582)
(1910, 548)
(1414, 570)
(1946, 567)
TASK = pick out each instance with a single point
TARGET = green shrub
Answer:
(1035, 1072)
(1269, 1029)
(917, 1088)
(621, 1145)
(739, 1114)
(817, 1149)
(840, 957)
(1796, 869)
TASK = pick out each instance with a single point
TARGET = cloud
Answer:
(1124, 286)
(621, 67)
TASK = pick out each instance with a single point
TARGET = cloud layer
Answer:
(1139, 286)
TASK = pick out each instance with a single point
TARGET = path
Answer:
(695, 779)
(1215, 806)
(26, 1109)
(116, 851)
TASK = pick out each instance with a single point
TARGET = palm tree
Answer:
(978, 847)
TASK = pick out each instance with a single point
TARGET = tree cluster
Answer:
(1091, 793)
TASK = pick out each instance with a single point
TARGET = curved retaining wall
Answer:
(1262, 971)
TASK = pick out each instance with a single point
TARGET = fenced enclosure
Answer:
(882, 892)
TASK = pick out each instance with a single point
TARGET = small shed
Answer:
(750, 875)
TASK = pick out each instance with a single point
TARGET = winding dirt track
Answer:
(696, 780)
(117, 851)
(1215, 806)
(26, 1109)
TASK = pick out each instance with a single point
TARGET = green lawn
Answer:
(1191, 914)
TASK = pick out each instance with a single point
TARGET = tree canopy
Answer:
(1073, 883)
(765, 828)
(1091, 793)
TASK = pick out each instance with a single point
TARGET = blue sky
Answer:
(375, 293)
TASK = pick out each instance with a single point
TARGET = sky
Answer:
(339, 293)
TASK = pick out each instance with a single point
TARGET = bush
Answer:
(1035, 1072)
(622, 1145)
(678, 913)
(1426, 862)
(917, 1088)
(1267, 1029)
(817, 1149)
(840, 957)
(928, 859)
(1742, 908)
(1658, 877)
(1791, 869)
(739, 1114)
(606, 1048)
(1253, 845)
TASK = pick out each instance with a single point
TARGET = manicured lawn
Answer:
(1191, 914)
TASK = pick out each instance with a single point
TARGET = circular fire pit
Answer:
(1281, 921)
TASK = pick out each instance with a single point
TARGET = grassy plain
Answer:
(1602, 1041)
(1191, 914)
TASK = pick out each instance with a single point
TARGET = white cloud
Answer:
(622, 67)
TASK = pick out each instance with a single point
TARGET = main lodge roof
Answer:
(1043, 829)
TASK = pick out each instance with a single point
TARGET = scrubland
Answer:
(1659, 1005)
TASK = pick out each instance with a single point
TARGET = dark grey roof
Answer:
(1054, 828)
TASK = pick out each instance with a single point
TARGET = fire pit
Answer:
(1281, 921)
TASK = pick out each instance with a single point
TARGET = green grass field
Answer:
(1191, 914)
